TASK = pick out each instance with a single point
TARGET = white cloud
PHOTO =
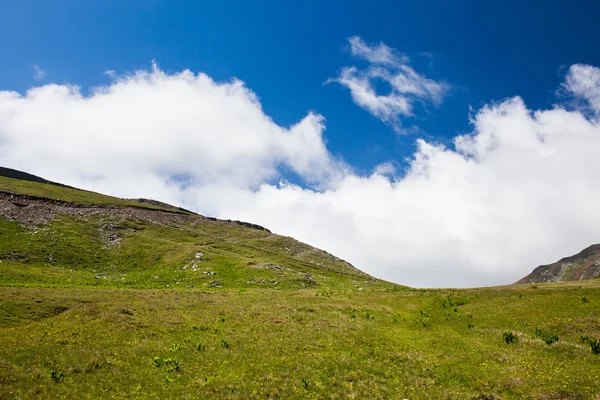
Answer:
(388, 65)
(38, 73)
(147, 127)
(386, 168)
(584, 81)
(376, 54)
(519, 190)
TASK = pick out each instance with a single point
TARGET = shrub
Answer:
(585, 300)
(56, 375)
(423, 318)
(593, 342)
(176, 347)
(305, 383)
(510, 337)
(471, 325)
(200, 347)
(225, 344)
(551, 338)
(157, 361)
(450, 302)
(547, 337)
(584, 339)
(172, 365)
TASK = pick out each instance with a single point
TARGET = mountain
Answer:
(581, 266)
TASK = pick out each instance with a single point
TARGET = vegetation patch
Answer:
(510, 338)
(547, 337)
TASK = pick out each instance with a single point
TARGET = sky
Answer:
(432, 143)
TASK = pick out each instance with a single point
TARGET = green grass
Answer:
(54, 192)
(296, 344)
(217, 310)
(71, 252)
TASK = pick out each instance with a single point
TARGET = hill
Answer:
(581, 266)
(109, 298)
(60, 236)
(24, 176)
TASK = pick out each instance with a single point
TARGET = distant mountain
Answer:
(581, 266)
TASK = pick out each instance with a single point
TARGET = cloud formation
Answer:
(155, 131)
(38, 73)
(519, 190)
(388, 65)
(584, 81)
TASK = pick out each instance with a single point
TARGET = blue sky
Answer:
(285, 52)
(489, 112)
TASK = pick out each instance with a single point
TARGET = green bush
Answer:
(547, 337)
(510, 337)
(157, 361)
(175, 347)
(593, 342)
(56, 375)
(450, 302)
(172, 365)
(423, 318)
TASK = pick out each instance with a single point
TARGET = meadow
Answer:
(102, 302)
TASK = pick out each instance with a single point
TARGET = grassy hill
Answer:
(110, 298)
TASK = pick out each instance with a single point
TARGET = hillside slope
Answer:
(58, 236)
(581, 266)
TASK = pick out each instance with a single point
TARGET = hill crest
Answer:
(581, 266)
(58, 235)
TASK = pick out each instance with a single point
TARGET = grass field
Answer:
(110, 306)
(71, 195)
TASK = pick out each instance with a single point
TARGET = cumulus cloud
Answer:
(519, 190)
(386, 64)
(151, 128)
(584, 81)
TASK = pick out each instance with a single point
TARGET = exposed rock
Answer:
(582, 266)
(273, 267)
(39, 211)
(310, 279)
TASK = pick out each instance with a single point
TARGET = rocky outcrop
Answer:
(584, 265)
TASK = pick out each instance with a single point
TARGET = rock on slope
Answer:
(584, 265)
